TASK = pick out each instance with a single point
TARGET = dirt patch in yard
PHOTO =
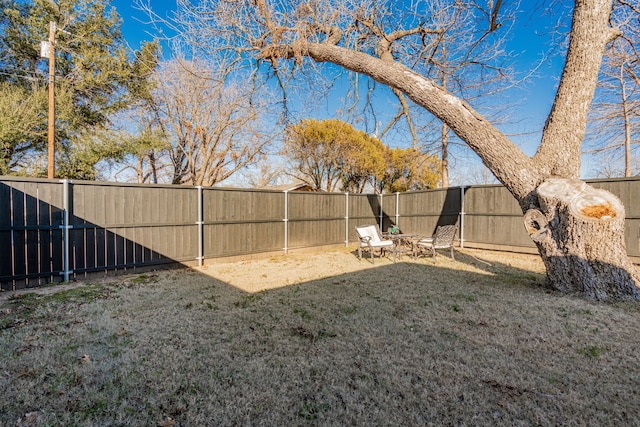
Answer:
(259, 275)
(321, 339)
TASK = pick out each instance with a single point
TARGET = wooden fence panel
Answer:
(316, 219)
(420, 212)
(364, 209)
(242, 221)
(122, 226)
(30, 234)
(493, 216)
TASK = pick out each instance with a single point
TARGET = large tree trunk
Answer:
(579, 231)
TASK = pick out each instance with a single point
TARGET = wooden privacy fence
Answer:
(53, 230)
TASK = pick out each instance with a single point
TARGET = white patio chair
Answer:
(371, 238)
(442, 239)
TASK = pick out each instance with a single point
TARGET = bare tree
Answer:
(467, 60)
(215, 126)
(579, 231)
(147, 146)
(614, 128)
(266, 172)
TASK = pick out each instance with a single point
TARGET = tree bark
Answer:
(626, 119)
(444, 132)
(579, 232)
(564, 130)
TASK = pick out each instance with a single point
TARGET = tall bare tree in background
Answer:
(214, 126)
(614, 127)
(140, 127)
(146, 146)
(266, 173)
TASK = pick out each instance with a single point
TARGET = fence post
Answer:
(462, 213)
(200, 224)
(286, 221)
(398, 209)
(346, 220)
(66, 204)
(380, 221)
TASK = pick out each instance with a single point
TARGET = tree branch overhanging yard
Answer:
(321, 338)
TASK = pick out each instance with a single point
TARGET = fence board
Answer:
(493, 216)
(32, 254)
(6, 245)
(18, 196)
(304, 234)
(422, 211)
(30, 242)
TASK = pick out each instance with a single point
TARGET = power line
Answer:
(23, 76)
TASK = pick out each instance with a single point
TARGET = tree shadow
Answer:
(32, 241)
(451, 208)
(379, 212)
(391, 344)
(474, 258)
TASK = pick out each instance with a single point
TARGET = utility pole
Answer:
(52, 104)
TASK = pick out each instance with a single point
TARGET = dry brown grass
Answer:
(321, 339)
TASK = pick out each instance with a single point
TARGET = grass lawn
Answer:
(322, 339)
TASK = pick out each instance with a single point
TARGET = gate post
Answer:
(286, 221)
(462, 213)
(66, 205)
(381, 219)
(346, 220)
(200, 225)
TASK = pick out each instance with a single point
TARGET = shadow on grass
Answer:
(411, 343)
(473, 259)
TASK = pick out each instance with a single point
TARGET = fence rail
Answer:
(54, 230)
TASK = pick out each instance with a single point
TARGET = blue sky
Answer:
(530, 43)
(134, 26)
